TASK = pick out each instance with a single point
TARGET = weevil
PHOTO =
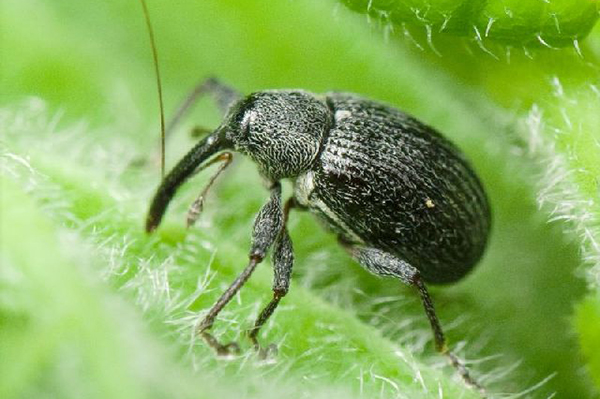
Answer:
(403, 200)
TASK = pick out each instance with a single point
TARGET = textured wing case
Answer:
(391, 182)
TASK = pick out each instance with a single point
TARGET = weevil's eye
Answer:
(247, 120)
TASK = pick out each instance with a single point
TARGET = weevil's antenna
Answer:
(159, 86)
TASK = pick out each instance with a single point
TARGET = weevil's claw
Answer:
(267, 354)
(264, 353)
(229, 350)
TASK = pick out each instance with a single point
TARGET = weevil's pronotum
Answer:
(402, 199)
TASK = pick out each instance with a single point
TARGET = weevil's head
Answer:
(280, 130)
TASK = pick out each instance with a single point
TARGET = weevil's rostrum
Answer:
(402, 199)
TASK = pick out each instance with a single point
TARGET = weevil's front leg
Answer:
(283, 260)
(384, 264)
(222, 94)
(267, 226)
(196, 208)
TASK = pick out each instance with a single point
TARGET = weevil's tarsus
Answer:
(208, 321)
(158, 86)
(224, 95)
(463, 371)
(268, 226)
(230, 349)
(267, 354)
(196, 208)
(186, 168)
(439, 338)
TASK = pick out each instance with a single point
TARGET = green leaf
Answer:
(526, 117)
(514, 22)
(588, 325)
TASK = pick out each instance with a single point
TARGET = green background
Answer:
(92, 307)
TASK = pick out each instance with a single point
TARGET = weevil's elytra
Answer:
(375, 168)
(402, 199)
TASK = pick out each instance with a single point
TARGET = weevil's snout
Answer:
(192, 161)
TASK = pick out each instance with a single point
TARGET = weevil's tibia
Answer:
(196, 208)
(283, 261)
(268, 226)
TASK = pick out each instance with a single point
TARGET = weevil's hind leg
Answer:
(221, 93)
(196, 208)
(384, 264)
(283, 260)
(267, 226)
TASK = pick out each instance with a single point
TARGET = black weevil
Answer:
(401, 198)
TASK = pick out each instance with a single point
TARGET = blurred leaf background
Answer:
(92, 307)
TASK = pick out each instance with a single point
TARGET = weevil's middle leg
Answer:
(267, 227)
(385, 264)
(283, 260)
(209, 319)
